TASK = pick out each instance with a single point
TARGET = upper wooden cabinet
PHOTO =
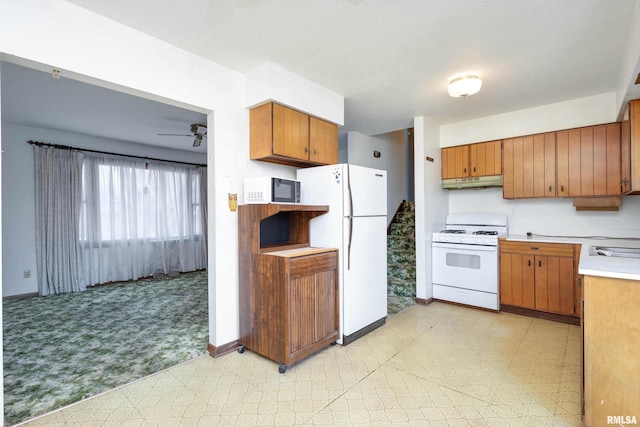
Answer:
(462, 161)
(485, 158)
(455, 162)
(589, 161)
(279, 134)
(323, 141)
(630, 149)
(582, 162)
(529, 166)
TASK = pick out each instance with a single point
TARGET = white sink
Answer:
(614, 251)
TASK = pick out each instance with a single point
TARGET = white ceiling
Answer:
(392, 59)
(34, 98)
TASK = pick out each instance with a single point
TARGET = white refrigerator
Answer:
(356, 224)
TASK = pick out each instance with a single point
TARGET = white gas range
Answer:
(465, 259)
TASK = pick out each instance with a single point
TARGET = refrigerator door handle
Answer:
(350, 218)
(349, 190)
(349, 244)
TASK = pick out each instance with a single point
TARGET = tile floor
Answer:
(440, 365)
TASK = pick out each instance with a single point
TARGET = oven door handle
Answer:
(464, 247)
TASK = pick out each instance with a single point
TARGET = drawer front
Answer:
(310, 264)
(537, 248)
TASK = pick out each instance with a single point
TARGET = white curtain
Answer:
(58, 203)
(203, 205)
(139, 218)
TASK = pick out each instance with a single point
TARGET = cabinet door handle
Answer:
(562, 188)
(306, 150)
(539, 263)
(474, 168)
(533, 248)
(464, 170)
(529, 263)
(550, 189)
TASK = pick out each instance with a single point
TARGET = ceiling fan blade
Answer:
(173, 134)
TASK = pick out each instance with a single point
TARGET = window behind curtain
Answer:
(138, 218)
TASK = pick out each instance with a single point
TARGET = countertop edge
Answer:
(611, 274)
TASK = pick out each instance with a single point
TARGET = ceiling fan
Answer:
(198, 132)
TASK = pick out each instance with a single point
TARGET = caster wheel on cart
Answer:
(282, 368)
(334, 343)
(241, 349)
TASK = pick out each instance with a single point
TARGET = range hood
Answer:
(472, 182)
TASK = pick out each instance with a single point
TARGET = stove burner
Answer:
(486, 233)
(453, 231)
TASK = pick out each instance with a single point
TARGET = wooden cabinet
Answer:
(529, 166)
(303, 285)
(288, 293)
(630, 149)
(485, 158)
(323, 142)
(539, 276)
(517, 285)
(279, 134)
(567, 142)
(462, 161)
(455, 162)
(575, 163)
(611, 322)
(589, 161)
(554, 283)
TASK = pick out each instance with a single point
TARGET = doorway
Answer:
(38, 106)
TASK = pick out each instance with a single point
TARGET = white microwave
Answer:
(269, 189)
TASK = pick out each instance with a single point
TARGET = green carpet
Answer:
(401, 260)
(63, 348)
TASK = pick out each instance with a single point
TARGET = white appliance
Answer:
(465, 259)
(269, 189)
(356, 224)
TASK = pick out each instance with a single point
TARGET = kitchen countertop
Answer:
(591, 265)
(297, 252)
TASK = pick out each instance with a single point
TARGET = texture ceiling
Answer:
(392, 59)
(34, 98)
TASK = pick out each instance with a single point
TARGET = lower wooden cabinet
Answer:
(313, 301)
(539, 276)
(611, 325)
(293, 306)
(517, 285)
(288, 291)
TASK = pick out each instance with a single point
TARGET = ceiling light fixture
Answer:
(464, 84)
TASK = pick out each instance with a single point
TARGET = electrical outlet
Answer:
(26, 274)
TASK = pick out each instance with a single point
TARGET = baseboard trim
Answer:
(422, 301)
(540, 314)
(348, 339)
(223, 349)
(20, 296)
